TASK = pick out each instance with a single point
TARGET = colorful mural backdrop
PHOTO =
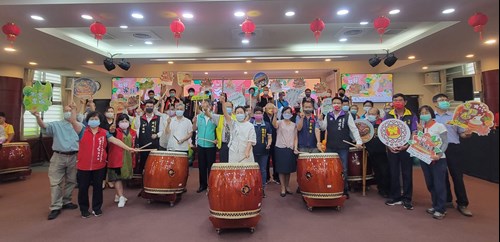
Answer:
(373, 87)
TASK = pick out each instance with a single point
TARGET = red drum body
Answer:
(320, 179)
(235, 195)
(15, 160)
(355, 166)
(165, 176)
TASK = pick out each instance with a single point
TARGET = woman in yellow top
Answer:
(8, 129)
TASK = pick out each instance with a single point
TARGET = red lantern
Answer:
(380, 24)
(316, 27)
(248, 27)
(12, 31)
(478, 21)
(99, 30)
(177, 27)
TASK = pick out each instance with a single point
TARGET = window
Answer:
(55, 112)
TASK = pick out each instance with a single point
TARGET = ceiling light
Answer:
(290, 13)
(9, 49)
(374, 61)
(187, 15)
(36, 17)
(239, 14)
(364, 23)
(296, 72)
(130, 45)
(469, 56)
(90, 62)
(449, 10)
(394, 11)
(490, 42)
(342, 12)
(123, 27)
(411, 57)
(137, 16)
(148, 42)
(245, 41)
(108, 64)
(328, 60)
(343, 39)
(425, 68)
(78, 73)
(206, 73)
(245, 72)
(87, 17)
(170, 62)
(390, 60)
(248, 61)
(125, 65)
(33, 63)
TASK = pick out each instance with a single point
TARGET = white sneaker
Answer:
(117, 198)
(122, 201)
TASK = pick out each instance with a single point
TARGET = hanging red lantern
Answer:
(478, 21)
(248, 27)
(12, 31)
(177, 27)
(316, 27)
(380, 24)
(98, 29)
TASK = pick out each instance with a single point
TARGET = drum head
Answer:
(235, 166)
(317, 155)
(167, 153)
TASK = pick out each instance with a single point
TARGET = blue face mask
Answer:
(179, 113)
(345, 108)
(287, 116)
(229, 110)
(371, 118)
(444, 105)
(425, 117)
(94, 123)
(354, 112)
(240, 117)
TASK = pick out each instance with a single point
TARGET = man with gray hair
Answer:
(179, 130)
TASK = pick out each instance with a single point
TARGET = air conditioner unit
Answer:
(432, 78)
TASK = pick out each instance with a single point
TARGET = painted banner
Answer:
(184, 78)
(127, 87)
(475, 116)
(293, 96)
(366, 130)
(363, 87)
(394, 133)
(326, 106)
(37, 97)
(84, 88)
(423, 146)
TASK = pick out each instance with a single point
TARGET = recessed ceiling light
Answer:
(394, 11)
(90, 62)
(87, 17)
(148, 42)
(490, 41)
(239, 14)
(170, 62)
(187, 15)
(364, 23)
(33, 63)
(137, 15)
(296, 72)
(343, 39)
(248, 61)
(411, 57)
(245, 41)
(9, 49)
(469, 56)
(449, 10)
(78, 73)
(245, 72)
(342, 12)
(123, 27)
(130, 45)
(290, 13)
(328, 60)
(425, 68)
(36, 17)
(206, 73)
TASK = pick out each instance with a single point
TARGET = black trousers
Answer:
(224, 153)
(401, 163)
(453, 157)
(380, 165)
(268, 167)
(206, 158)
(85, 179)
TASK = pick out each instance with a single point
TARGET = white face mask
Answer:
(109, 115)
(67, 115)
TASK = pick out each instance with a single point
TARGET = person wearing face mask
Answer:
(179, 130)
(343, 97)
(88, 106)
(121, 162)
(286, 149)
(435, 172)
(62, 169)
(400, 162)
(387, 109)
(91, 164)
(367, 105)
(265, 98)
(268, 117)
(148, 127)
(223, 132)
(340, 126)
(189, 112)
(151, 96)
(219, 104)
(7, 128)
(377, 155)
(453, 155)
(264, 138)
(172, 100)
(108, 125)
(281, 102)
(308, 130)
(346, 105)
(252, 99)
(308, 98)
(354, 111)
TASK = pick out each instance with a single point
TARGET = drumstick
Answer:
(148, 144)
(347, 142)
(212, 141)
(146, 150)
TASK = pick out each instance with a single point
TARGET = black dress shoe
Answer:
(288, 192)
(201, 189)
(53, 214)
(70, 206)
(298, 190)
(283, 194)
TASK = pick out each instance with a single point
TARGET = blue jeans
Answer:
(262, 161)
(344, 157)
(435, 178)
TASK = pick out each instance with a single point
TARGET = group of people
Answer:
(90, 147)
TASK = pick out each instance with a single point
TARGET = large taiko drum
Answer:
(235, 195)
(355, 166)
(319, 175)
(165, 173)
(15, 160)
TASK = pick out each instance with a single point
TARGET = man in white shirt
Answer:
(179, 130)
